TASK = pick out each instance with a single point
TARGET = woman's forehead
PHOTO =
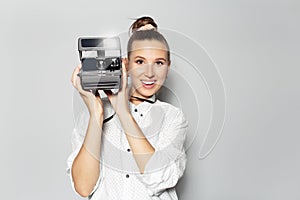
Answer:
(148, 44)
(149, 47)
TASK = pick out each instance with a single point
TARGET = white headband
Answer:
(146, 27)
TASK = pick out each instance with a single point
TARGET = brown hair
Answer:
(142, 21)
(151, 34)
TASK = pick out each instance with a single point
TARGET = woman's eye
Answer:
(139, 62)
(160, 63)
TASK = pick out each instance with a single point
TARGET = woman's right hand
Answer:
(93, 103)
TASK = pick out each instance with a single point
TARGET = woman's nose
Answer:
(149, 73)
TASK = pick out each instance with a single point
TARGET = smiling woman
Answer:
(138, 153)
(148, 65)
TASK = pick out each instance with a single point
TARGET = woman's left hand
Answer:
(120, 100)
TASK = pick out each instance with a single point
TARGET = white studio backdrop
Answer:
(254, 45)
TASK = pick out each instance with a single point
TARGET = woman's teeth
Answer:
(148, 82)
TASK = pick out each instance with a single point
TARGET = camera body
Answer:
(101, 63)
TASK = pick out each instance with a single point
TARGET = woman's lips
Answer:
(148, 84)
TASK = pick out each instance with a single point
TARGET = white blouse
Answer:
(165, 128)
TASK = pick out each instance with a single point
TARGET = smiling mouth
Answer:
(148, 84)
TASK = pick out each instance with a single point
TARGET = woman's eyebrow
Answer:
(161, 59)
(139, 57)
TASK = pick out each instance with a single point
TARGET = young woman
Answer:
(130, 145)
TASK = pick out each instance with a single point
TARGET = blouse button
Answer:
(128, 150)
(141, 115)
(135, 110)
(127, 175)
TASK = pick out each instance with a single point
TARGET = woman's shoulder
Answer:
(174, 116)
(168, 108)
(166, 105)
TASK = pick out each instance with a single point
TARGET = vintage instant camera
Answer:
(101, 63)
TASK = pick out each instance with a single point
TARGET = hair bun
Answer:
(143, 23)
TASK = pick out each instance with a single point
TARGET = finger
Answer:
(124, 76)
(78, 86)
(74, 75)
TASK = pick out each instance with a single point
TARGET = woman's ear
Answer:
(169, 65)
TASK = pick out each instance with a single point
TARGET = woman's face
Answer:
(148, 67)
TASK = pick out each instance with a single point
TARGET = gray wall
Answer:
(254, 44)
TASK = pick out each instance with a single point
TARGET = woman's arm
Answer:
(86, 165)
(85, 168)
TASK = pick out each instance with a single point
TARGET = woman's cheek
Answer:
(136, 82)
(136, 71)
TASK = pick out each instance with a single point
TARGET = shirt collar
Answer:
(143, 106)
(152, 98)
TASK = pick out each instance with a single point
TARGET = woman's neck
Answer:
(136, 98)
(135, 101)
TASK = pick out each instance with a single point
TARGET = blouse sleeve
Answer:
(167, 164)
(77, 139)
